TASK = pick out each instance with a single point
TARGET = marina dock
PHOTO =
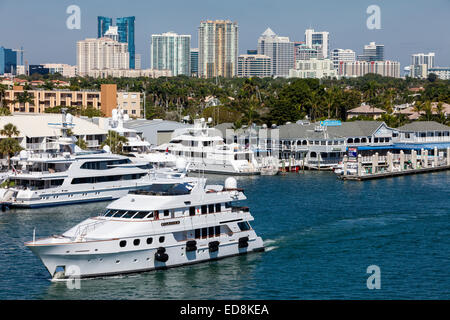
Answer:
(394, 165)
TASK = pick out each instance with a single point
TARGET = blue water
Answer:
(320, 233)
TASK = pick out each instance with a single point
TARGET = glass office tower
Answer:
(8, 61)
(125, 27)
(126, 34)
(103, 25)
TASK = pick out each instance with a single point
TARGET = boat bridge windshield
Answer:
(173, 189)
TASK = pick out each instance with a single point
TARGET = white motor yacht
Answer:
(172, 224)
(205, 151)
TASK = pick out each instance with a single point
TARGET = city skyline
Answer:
(406, 38)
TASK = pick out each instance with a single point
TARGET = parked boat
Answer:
(205, 151)
(172, 224)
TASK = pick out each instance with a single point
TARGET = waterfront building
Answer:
(218, 48)
(254, 65)
(418, 71)
(171, 51)
(385, 68)
(313, 68)
(194, 62)
(279, 49)
(442, 73)
(156, 131)
(63, 69)
(318, 40)
(36, 135)
(123, 32)
(8, 61)
(105, 100)
(101, 54)
(129, 73)
(372, 52)
(338, 55)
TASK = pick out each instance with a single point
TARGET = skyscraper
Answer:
(103, 25)
(280, 50)
(126, 35)
(372, 52)
(125, 30)
(422, 58)
(8, 60)
(342, 55)
(194, 62)
(218, 48)
(101, 54)
(318, 40)
(171, 51)
(254, 65)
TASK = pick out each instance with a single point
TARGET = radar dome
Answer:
(114, 114)
(230, 183)
(210, 120)
(23, 154)
(180, 164)
(69, 118)
(107, 149)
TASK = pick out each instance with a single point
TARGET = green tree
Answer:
(115, 141)
(9, 146)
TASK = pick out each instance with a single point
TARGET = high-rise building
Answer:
(171, 51)
(254, 65)
(303, 52)
(101, 54)
(442, 73)
(8, 60)
(372, 52)
(313, 68)
(318, 40)
(218, 48)
(422, 58)
(280, 50)
(194, 62)
(338, 55)
(125, 33)
(65, 70)
(103, 24)
(384, 68)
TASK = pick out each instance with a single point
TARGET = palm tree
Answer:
(23, 98)
(115, 141)
(9, 130)
(9, 146)
(2, 94)
(81, 143)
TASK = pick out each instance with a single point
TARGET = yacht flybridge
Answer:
(172, 224)
(205, 151)
(67, 177)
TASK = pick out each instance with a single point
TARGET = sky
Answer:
(407, 26)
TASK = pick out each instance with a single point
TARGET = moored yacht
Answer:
(205, 151)
(68, 176)
(172, 224)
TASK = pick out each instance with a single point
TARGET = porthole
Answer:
(117, 261)
(149, 240)
(161, 239)
(123, 243)
(136, 242)
(135, 260)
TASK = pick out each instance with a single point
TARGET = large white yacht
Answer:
(68, 177)
(205, 151)
(135, 143)
(173, 224)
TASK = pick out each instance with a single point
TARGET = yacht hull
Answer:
(82, 265)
